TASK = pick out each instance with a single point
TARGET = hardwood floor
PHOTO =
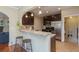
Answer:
(66, 47)
(6, 48)
(60, 47)
(2, 47)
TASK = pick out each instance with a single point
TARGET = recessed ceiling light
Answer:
(46, 11)
(26, 16)
(59, 8)
(40, 12)
(70, 17)
(39, 7)
(32, 14)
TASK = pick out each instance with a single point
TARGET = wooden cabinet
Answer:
(29, 20)
(50, 18)
(53, 44)
(52, 24)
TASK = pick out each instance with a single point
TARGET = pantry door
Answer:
(72, 29)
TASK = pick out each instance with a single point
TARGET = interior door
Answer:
(71, 29)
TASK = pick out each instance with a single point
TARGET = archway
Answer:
(4, 28)
(13, 18)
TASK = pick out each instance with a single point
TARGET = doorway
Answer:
(4, 29)
(71, 27)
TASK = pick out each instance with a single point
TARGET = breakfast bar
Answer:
(41, 41)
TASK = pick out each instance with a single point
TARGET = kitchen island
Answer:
(41, 41)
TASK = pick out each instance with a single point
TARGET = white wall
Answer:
(68, 12)
(38, 23)
(12, 14)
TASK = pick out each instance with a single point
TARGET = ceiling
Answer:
(21, 7)
(51, 10)
(16, 7)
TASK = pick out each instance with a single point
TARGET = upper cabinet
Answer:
(48, 19)
(28, 18)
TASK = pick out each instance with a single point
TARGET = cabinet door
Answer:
(29, 20)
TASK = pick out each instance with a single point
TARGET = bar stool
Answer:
(27, 45)
(18, 43)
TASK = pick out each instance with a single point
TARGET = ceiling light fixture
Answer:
(40, 12)
(26, 16)
(59, 8)
(32, 14)
(46, 11)
(70, 17)
(39, 7)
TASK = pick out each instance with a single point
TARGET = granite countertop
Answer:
(38, 32)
